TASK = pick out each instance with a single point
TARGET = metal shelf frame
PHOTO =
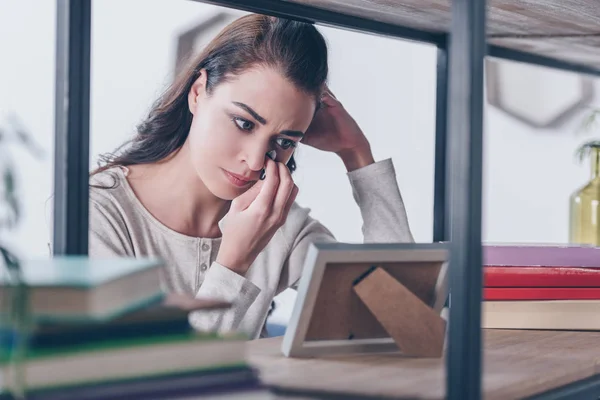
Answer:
(458, 154)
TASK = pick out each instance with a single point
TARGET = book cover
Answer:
(117, 344)
(496, 276)
(541, 293)
(80, 271)
(541, 314)
(541, 255)
(227, 382)
(166, 317)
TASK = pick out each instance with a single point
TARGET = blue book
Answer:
(167, 317)
(78, 288)
(228, 383)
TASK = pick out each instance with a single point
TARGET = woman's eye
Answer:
(285, 143)
(243, 124)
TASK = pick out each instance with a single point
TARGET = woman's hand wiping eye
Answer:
(255, 216)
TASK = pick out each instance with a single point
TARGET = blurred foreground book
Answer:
(104, 329)
(77, 288)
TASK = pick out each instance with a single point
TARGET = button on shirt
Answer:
(206, 254)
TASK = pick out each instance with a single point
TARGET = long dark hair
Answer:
(296, 49)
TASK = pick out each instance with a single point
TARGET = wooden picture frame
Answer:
(330, 318)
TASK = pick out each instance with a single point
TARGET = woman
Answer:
(188, 187)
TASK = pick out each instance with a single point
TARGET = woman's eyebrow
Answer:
(297, 134)
(250, 111)
(256, 116)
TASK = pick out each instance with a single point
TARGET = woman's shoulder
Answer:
(108, 214)
(108, 190)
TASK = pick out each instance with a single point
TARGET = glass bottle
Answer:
(585, 203)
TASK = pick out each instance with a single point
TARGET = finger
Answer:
(265, 198)
(244, 200)
(286, 184)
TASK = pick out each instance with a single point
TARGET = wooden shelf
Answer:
(566, 30)
(516, 364)
(576, 50)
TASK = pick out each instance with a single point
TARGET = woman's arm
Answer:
(375, 190)
(374, 186)
(222, 283)
(252, 221)
(378, 197)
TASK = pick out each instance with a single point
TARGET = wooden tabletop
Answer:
(568, 30)
(516, 364)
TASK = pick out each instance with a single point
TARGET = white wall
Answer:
(387, 85)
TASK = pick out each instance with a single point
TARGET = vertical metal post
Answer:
(440, 226)
(72, 125)
(465, 116)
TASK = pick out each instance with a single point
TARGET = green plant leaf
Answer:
(590, 122)
(12, 131)
(9, 181)
(10, 201)
(585, 149)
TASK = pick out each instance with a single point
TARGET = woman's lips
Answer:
(237, 180)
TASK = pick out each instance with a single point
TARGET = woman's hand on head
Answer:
(255, 216)
(334, 130)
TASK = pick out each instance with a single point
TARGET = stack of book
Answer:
(102, 329)
(554, 287)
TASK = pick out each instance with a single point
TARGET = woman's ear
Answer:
(198, 91)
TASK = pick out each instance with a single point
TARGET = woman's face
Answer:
(239, 122)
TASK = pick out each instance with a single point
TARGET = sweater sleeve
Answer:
(375, 190)
(378, 197)
(222, 283)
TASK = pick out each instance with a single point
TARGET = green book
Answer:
(78, 288)
(122, 359)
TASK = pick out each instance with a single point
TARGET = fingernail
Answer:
(272, 154)
(262, 174)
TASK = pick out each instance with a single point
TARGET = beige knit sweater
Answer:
(120, 225)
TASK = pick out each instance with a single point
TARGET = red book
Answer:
(541, 277)
(541, 293)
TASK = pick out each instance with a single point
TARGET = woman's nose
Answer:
(255, 158)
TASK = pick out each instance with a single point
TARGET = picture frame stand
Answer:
(415, 327)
